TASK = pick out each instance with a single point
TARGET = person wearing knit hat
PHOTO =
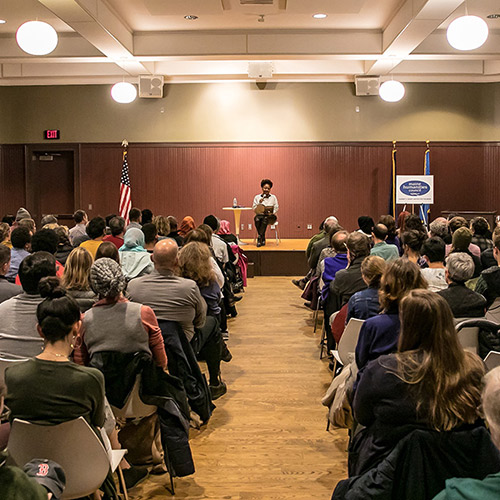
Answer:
(22, 213)
(114, 323)
(460, 242)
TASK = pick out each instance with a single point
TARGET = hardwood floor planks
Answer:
(266, 438)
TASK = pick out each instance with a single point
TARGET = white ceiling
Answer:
(102, 41)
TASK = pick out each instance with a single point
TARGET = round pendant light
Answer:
(467, 33)
(392, 91)
(124, 92)
(36, 38)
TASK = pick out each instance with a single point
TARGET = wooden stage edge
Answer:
(287, 258)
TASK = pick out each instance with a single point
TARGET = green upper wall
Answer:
(241, 112)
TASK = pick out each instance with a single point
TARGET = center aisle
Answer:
(266, 438)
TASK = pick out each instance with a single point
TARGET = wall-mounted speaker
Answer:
(151, 86)
(367, 85)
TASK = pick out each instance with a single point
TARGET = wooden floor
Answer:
(266, 438)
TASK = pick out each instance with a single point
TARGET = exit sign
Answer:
(51, 134)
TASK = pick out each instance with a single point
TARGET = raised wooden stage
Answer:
(287, 258)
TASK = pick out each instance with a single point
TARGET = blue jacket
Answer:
(332, 265)
(363, 304)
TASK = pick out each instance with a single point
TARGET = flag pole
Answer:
(394, 179)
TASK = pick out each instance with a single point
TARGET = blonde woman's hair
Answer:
(194, 263)
(400, 276)
(162, 225)
(77, 269)
(372, 268)
(446, 380)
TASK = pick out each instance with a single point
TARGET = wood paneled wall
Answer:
(311, 180)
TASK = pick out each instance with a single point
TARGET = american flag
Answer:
(125, 191)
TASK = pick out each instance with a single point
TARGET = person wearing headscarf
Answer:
(114, 323)
(135, 259)
(225, 233)
(187, 225)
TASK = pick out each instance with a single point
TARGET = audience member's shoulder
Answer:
(89, 372)
(491, 270)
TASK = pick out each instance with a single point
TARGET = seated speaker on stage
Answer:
(265, 206)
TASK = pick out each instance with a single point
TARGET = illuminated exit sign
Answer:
(51, 134)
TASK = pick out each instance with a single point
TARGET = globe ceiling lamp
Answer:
(36, 38)
(467, 33)
(392, 91)
(123, 92)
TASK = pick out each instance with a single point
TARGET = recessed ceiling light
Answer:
(320, 16)
(2, 21)
(491, 16)
(191, 18)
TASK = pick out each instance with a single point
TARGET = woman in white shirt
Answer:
(264, 215)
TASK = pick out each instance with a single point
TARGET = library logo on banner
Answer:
(414, 189)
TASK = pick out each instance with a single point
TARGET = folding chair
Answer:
(492, 360)
(74, 446)
(344, 353)
(135, 408)
(468, 333)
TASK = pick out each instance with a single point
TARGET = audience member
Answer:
(461, 243)
(488, 488)
(18, 335)
(64, 246)
(117, 228)
(464, 302)
(481, 233)
(487, 257)
(135, 218)
(22, 214)
(225, 233)
(333, 264)
(365, 225)
(78, 233)
(365, 303)
(9, 219)
(135, 259)
(412, 241)
(179, 299)
(46, 240)
(318, 236)
(433, 252)
(390, 223)
(7, 289)
(150, 236)
(48, 219)
(162, 225)
(146, 216)
(331, 226)
(439, 227)
(115, 324)
(174, 233)
(194, 264)
(380, 247)
(21, 244)
(413, 222)
(431, 382)
(456, 223)
(96, 230)
(218, 244)
(187, 225)
(108, 220)
(108, 249)
(379, 335)
(348, 281)
(5, 235)
(401, 223)
(76, 278)
(27, 223)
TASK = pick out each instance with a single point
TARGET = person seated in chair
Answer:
(266, 207)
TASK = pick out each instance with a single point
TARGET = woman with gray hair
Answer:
(464, 302)
(114, 323)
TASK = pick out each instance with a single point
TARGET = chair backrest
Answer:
(134, 407)
(468, 336)
(349, 339)
(73, 445)
(5, 362)
(492, 360)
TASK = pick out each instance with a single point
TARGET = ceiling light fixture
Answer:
(467, 33)
(36, 38)
(123, 92)
(191, 18)
(320, 16)
(392, 91)
(2, 21)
